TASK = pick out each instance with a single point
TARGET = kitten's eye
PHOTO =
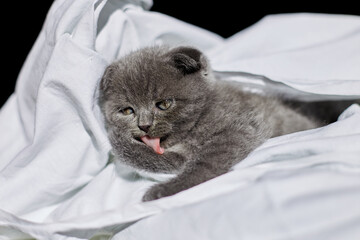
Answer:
(163, 105)
(127, 111)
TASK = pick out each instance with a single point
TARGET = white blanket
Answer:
(57, 180)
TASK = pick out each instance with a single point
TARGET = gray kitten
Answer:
(165, 112)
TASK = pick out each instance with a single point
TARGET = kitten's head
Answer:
(155, 91)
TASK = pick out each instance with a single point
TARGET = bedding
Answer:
(57, 176)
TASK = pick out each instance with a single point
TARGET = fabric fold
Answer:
(58, 179)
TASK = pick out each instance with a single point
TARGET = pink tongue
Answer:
(154, 143)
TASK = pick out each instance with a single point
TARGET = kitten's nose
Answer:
(145, 128)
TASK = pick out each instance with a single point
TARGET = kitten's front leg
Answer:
(193, 174)
(211, 161)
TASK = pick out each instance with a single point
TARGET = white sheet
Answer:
(56, 181)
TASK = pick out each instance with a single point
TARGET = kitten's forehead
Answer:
(155, 73)
(145, 74)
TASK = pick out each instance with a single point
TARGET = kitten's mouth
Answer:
(153, 142)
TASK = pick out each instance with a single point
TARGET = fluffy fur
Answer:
(210, 126)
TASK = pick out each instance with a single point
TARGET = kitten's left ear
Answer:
(187, 59)
(107, 77)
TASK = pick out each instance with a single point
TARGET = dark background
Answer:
(22, 21)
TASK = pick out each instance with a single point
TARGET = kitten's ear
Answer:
(107, 78)
(188, 60)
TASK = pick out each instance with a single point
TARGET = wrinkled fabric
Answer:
(58, 179)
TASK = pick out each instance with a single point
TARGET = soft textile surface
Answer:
(57, 178)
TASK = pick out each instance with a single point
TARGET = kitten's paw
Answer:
(156, 192)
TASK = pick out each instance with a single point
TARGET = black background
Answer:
(21, 23)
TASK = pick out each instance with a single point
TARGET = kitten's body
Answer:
(210, 125)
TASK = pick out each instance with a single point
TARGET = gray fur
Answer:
(210, 126)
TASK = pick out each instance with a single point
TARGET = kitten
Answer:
(165, 112)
